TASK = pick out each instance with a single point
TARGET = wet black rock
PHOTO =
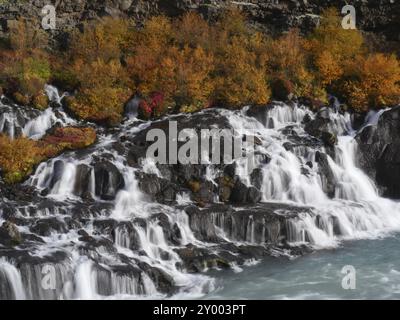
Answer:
(109, 180)
(379, 152)
(58, 170)
(197, 260)
(259, 113)
(164, 282)
(9, 235)
(171, 232)
(263, 224)
(322, 128)
(45, 227)
(242, 194)
(20, 193)
(82, 184)
(326, 174)
(13, 118)
(92, 246)
(257, 177)
(159, 189)
(202, 191)
(125, 235)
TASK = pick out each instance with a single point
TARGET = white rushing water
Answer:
(17, 120)
(13, 277)
(356, 211)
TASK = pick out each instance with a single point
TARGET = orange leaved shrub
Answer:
(331, 48)
(102, 91)
(95, 70)
(287, 63)
(25, 66)
(372, 82)
(18, 157)
(187, 63)
(193, 64)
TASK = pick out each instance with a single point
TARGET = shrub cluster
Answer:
(193, 64)
(186, 64)
(183, 65)
(95, 69)
(18, 157)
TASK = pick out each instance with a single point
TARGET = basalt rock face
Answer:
(379, 156)
(164, 181)
(376, 17)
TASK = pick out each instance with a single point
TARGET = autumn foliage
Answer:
(25, 66)
(195, 65)
(95, 70)
(18, 157)
(371, 81)
(187, 64)
(183, 65)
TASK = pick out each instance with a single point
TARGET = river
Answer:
(319, 275)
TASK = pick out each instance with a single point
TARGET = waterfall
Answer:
(357, 211)
(18, 120)
(54, 95)
(7, 121)
(86, 282)
(107, 242)
(36, 128)
(11, 276)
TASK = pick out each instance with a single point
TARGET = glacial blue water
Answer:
(318, 275)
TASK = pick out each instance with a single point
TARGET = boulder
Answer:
(197, 260)
(45, 227)
(9, 234)
(159, 189)
(322, 128)
(242, 194)
(108, 180)
(82, 182)
(378, 152)
(326, 174)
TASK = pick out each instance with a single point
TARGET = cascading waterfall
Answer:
(17, 121)
(59, 177)
(10, 276)
(357, 211)
(291, 176)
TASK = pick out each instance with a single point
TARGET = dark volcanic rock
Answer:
(199, 259)
(159, 189)
(108, 180)
(322, 128)
(58, 170)
(379, 152)
(164, 282)
(242, 194)
(264, 223)
(9, 235)
(327, 176)
(259, 113)
(379, 18)
(82, 182)
(45, 227)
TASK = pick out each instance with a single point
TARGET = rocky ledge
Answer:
(378, 18)
(379, 146)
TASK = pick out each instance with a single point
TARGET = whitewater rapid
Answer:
(356, 210)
